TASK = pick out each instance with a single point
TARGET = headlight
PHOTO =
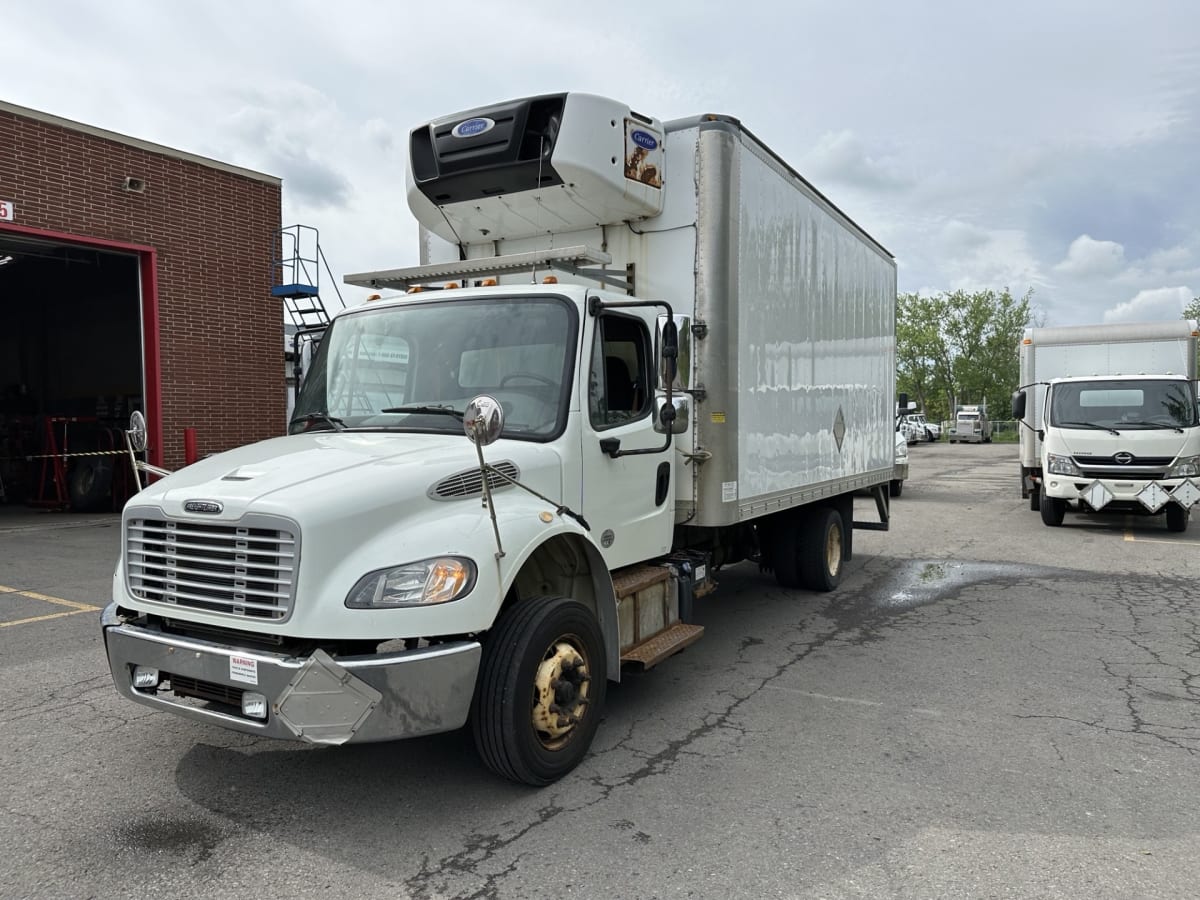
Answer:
(1185, 467)
(423, 583)
(1061, 465)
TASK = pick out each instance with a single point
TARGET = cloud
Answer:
(843, 158)
(379, 133)
(1156, 304)
(1087, 257)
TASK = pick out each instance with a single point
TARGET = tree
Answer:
(1192, 310)
(960, 348)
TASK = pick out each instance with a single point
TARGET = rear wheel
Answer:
(541, 690)
(90, 484)
(821, 554)
(808, 547)
(1052, 508)
(1177, 517)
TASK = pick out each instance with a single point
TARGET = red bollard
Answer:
(189, 446)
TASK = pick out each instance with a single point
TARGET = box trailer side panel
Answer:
(798, 366)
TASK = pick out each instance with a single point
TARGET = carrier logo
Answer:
(1123, 458)
(644, 140)
(472, 127)
(211, 507)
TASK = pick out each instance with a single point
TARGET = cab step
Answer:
(651, 652)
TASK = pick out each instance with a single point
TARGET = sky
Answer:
(1047, 146)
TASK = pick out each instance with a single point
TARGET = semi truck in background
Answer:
(971, 425)
(1108, 420)
(633, 353)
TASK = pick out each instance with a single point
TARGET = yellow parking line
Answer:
(34, 595)
(74, 607)
(1129, 537)
(73, 612)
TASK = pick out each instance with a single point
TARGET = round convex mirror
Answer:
(483, 419)
(137, 431)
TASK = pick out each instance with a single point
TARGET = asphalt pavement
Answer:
(987, 707)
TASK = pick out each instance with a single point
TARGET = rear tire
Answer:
(1051, 508)
(90, 484)
(820, 555)
(1177, 517)
(540, 692)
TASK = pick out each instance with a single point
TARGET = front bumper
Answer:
(317, 698)
(1131, 495)
(900, 471)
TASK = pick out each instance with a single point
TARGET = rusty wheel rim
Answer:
(560, 692)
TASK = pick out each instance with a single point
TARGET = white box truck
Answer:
(1108, 420)
(707, 377)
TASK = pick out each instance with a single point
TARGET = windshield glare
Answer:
(1124, 404)
(518, 350)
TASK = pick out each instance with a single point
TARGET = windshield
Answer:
(1152, 403)
(415, 367)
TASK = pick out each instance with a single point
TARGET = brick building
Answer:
(132, 276)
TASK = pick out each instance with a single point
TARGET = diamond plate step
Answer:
(632, 579)
(653, 651)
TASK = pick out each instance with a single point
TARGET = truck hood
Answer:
(323, 470)
(1141, 443)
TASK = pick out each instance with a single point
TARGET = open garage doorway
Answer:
(72, 369)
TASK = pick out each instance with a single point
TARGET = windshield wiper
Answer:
(320, 416)
(425, 410)
(1155, 425)
(1089, 425)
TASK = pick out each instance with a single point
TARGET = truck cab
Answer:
(1126, 443)
(971, 426)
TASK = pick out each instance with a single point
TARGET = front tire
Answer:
(896, 488)
(1051, 508)
(1177, 517)
(541, 688)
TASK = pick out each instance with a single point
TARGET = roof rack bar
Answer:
(564, 257)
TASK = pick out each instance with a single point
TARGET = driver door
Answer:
(629, 500)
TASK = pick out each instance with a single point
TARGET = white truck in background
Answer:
(708, 378)
(971, 425)
(1109, 420)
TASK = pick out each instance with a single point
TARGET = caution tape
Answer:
(82, 453)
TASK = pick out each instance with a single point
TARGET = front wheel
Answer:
(1052, 509)
(541, 690)
(896, 487)
(1177, 517)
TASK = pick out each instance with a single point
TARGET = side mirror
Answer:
(902, 402)
(670, 351)
(1018, 404)
(483, 420)
(137, 431)
(677, 424)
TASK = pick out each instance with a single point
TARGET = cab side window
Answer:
(620, 379)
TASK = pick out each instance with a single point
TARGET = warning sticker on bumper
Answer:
(243, 669)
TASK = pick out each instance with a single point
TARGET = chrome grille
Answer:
(469, 483)
(232, 569)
